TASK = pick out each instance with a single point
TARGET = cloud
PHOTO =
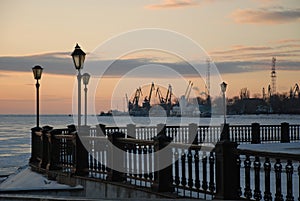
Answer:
(240, 49)
(54, 63)
(287, 51)
(285, 41)
(60, 63)
(254, 66)
(240, 58)
(237, 59)
(275, 15)
(173, 4)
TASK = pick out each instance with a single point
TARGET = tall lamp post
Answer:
(223, 89)
(78, 58)
(85, 78)
(37, 73)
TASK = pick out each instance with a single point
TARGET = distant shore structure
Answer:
(273, 76)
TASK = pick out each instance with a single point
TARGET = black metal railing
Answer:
(193, 170)
(197, 168)
(268, 175)
(254, 133)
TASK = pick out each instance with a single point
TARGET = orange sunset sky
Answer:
(240, 37)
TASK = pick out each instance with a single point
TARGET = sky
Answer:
(239, 36)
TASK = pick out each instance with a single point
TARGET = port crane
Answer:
(168, 98)
(188, 91)
(294, 92)
(137, 96)
(169, 95)
(160, 97)
(148, 99)
(127, 101)
(146, 103)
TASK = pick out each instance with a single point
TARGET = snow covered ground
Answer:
(27, 180)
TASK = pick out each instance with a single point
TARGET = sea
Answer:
(15, 133)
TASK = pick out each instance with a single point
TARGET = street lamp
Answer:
(37, 73)
(78, 58)
(223, 89)
(85, 78)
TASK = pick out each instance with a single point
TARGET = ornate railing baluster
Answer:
(267, 169)
(212, 187)
(140, 156)
(289, 180)
(146, 163)
(176, 179)
(247, 190)
(104, 163)
(135, 163)
(200, 134)
(183, 177)
(204, 137)
(238, 163)
(151, 165)
(190, 170)
(242, 137)
(130, 168)
(94, 163)
(204, 172)
(278, 170)
(91, 159)
(197, 172)
(257, 192)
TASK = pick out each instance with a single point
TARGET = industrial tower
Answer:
(208, 77)
(273, 76)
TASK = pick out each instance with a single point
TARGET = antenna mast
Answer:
(273, 76)
(208, 77)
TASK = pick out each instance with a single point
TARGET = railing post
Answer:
(55, 151)
(285, 134)
(115, 158)
(227, 184)
(193, 134)
(162, 177)
(82, 155)
(46, 153)
(255, 133)
(131, 131)
(36, 145)
(101, 130)
(225, 132)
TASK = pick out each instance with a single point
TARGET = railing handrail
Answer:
(263, 153)
(62, 136)
(202, 147)
(135, 141)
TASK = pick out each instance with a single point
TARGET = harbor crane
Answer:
(146, 103)
(187, 89)
(294, 92)
(127, 101)
(160, 97)
(264, 93)
(169, 95)
(148, 99)
(187, 96)
(137, 96)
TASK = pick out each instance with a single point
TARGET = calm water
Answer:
(15, 130)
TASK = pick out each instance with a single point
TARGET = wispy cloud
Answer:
(238, 58)
(241, 58)
(173, 4)
(55, 62)
(285, 41)
(275, 15)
